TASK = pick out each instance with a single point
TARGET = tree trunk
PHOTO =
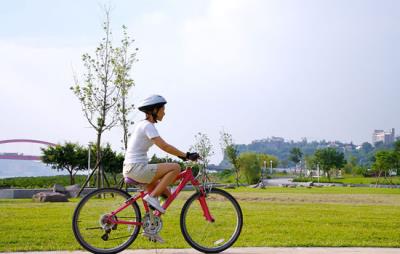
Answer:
(98, 162)
(71, 177)
(237, 177)
(115, 179)
(377, 178)
(124, 124)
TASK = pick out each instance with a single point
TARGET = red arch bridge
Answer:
(16, 156)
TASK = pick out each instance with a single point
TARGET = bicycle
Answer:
(108, 220)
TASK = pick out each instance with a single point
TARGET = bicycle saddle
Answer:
(131, 181)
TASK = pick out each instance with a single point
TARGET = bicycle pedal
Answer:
(153, 238)
(105, 237)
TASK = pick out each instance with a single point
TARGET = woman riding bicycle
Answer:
(157, 177)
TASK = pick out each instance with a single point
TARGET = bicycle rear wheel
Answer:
(216, 236)
(94, 232)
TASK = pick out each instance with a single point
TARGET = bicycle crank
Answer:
(152, 224)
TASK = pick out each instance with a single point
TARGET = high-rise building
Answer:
(387, 137)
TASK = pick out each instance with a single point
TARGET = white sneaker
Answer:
(154, 203)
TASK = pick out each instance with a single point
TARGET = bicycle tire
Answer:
(228, 208)
(84, 239)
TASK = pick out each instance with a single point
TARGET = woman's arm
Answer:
(158, 141)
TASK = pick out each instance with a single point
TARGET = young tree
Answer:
(230, 151)
(251, 164)
(351, 165)
(295, 156)
(384, 162)
(204, 148)
(70, 157)
(329, 158)
(98, 92)
(112, 162)
(123, 62)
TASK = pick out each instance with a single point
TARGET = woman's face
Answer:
(161, 113)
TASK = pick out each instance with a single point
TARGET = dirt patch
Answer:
(359, 199)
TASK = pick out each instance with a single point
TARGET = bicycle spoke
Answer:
(121, 237)
(214, 236)
(94, 228)
(92, 221)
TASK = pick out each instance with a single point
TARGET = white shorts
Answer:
(140, 172)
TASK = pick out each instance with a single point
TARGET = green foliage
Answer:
(295, 155)
(123, 61)
(97, 92)
(249, 167)
(204, 147)
(252, 163)
(225, 173)
(281, 149)
(104, 87)
(397, 146)
(358, 170)
(154, 160)
(39, 181)
(328, 159)
(70, 157)
(231, 152)
(385, 162)
(112, 162)
(351, 166)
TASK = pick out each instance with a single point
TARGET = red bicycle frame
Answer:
(185, 176)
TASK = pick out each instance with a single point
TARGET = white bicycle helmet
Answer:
(151, 102)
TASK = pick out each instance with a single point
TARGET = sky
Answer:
(255, 69)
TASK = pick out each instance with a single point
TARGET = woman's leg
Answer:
(150, 187)
(165, 175)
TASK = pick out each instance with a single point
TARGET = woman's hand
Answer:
(191, 156)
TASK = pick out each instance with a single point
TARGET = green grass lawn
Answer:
(331, 216)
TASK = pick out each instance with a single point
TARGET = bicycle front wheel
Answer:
(92, 228)
(222, 232)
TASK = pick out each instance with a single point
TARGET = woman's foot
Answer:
(154, 203)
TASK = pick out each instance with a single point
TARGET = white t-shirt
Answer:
(140, 142)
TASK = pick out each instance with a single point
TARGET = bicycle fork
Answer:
(204, 207)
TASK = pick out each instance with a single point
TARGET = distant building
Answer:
(269, 140)
(386, 137)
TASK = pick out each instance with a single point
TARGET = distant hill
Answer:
(280, 148)
(14, 168)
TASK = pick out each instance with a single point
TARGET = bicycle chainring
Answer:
(152, 227)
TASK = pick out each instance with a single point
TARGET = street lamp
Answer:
(271, 165)
(263, 170)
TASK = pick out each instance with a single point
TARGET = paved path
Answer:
(256, 250)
